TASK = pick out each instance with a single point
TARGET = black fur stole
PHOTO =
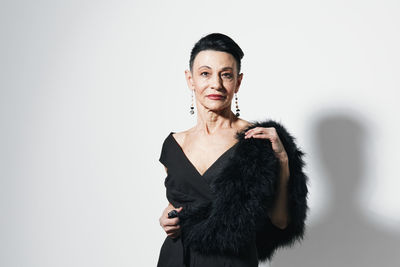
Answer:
(244, 192)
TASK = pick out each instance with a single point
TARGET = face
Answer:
(214, 79)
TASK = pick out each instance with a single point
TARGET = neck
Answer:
(209, 121)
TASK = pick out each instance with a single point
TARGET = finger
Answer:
(267, 134)
(249, 133)
(256, 130)
(171, 222)
(261, 136)
(178, 209)
(167, 210)
(171, 229)
(267, 130)
(252, 130)
(276, 143)
(255, 133)
(175, 218)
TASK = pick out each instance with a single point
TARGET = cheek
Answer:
(230, 84)
(200, 85)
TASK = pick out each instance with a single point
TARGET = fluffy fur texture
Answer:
(244, 192)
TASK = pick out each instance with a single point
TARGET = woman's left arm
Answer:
(279, 214)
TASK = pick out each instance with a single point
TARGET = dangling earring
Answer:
(237, 106)
(192, 106)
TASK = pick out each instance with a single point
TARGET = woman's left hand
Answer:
(271, 134)
(279, 214)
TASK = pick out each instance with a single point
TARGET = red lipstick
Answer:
(215, 97)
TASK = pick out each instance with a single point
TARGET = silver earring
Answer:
(237, 106)
(192, 106)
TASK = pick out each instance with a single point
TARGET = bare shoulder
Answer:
(180, 136)
(243, 124)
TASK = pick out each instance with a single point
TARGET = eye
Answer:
(227, 75)
(204, 73)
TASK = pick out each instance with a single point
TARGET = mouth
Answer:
(215, 97)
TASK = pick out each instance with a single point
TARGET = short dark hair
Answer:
(217, 42)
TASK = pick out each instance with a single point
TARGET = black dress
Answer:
(185, 185)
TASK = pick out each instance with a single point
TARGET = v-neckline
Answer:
(192, 165)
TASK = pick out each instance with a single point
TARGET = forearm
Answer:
(279, 213)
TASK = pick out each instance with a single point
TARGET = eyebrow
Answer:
(224, 68)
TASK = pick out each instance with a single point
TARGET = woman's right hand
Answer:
(170, 225)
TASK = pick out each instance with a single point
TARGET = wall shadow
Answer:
(344, 237)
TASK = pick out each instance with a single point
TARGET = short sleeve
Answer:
(163, 154)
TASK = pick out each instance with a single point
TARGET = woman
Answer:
(237, 197)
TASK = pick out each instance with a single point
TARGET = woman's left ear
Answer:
(239, 81)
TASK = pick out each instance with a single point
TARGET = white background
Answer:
(90, 89)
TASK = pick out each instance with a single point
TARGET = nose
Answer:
(216, 82)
